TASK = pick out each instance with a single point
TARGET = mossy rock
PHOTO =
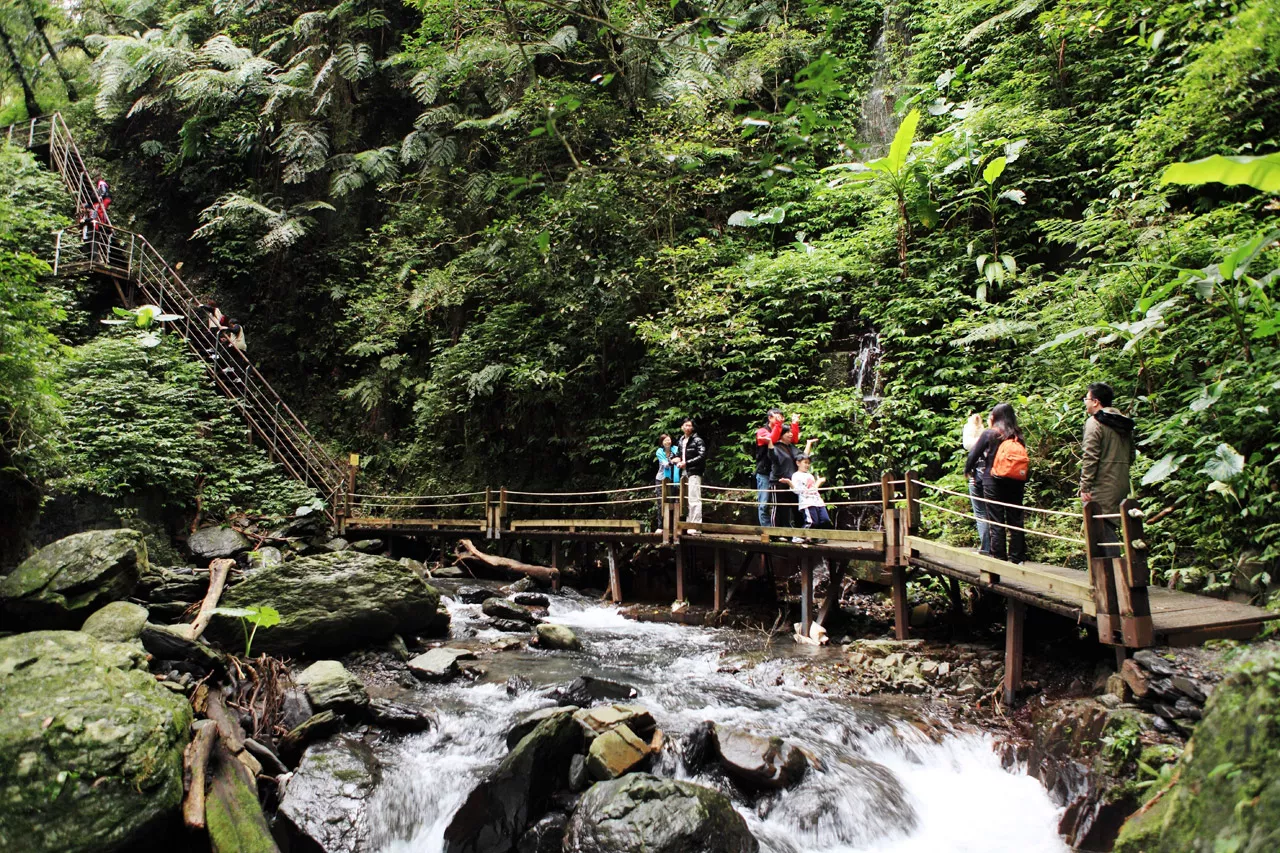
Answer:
(62, 583)
(330, 603)
(1225, 791)
(90, 744)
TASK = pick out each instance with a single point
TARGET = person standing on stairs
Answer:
(693, 464)
(103, 191)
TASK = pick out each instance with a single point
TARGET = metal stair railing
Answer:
(129, 256)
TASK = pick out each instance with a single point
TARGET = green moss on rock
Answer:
(1225, 790)
(90, 745)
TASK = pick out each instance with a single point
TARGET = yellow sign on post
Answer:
(354, 460)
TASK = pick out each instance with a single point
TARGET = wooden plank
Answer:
(575, 524)
(1106, 600)
(806, 594)
(870, 537)
(1063, 583)
(1015, 619)
(615, 581)
(718, 598)
(901, 618)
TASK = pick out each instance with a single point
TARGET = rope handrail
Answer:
(419, 497)
(575, 494)
(1043, 533)
(582, 503)
(743, 490)
(420, 506)
(1077, 515)
(754, 503)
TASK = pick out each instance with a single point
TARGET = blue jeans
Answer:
(762, 498)
(980, 510)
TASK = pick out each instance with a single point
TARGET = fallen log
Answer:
(472, 558)
(233, 813)
(195, 761)
(218, 571)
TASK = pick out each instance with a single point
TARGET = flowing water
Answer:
(882, 785)
(878, 122)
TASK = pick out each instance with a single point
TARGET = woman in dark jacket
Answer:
(1006, 521)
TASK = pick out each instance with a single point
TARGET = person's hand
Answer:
(1085, 497)
(795, 419)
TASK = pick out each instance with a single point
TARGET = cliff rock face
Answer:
(90, 744)
(1224, 793)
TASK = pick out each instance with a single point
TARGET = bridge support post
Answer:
(679, 572)
(488, 512)
(1135, 607)
(912, 490)
(1102, 578)
(718, 601)
(502, 513)
(1015, 619)
(806, 594)
(901, 616)
(615, 581)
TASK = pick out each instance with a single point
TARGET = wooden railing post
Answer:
(911, 489)
(353, 468)
(488, 512)
(502, 512)
(1101, 578)
(664, 503)
(681, 502)
(1132, 580)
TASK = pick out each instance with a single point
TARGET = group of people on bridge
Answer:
(997, 468)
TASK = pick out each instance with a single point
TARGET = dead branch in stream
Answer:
(472, 558)
(218, 571)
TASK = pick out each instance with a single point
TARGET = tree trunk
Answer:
(67, 81)
(472, 558)
(28, 94)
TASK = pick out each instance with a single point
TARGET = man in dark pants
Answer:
(766, 437)
(1107, 454)
(693, 464)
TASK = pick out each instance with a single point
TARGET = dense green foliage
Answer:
(512, 245)
(144, 424)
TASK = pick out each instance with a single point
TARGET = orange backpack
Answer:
(1011, 462)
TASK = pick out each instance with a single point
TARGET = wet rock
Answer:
(367, 546)
(532, 721)
(615, 752)
(336, 544)
(640, 813)
(415, 566)
(295, 707)
(265, 557)
(170, 643)
(531, 599)
(1188, 709)
(603, 718)
(558, 637)
(439, 664)
(396, 645)
(210, 543)
(517, 684)
(1136, 678)
(399, 716)
(509, 626)
(315, 727)
(117, 622)
(330, 687)
(325, 799)
(525, 584)
(578, 776)
(500, 608)
(759, 763)
(331, 602)
(699, 745)
(585, 691)
(497, 812)
(448, 572)
(472, 594)
(1152, 662)
(90, 744)
(62, 583)
(1195, 690)
(545, 836)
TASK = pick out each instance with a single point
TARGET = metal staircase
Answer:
(128, 257)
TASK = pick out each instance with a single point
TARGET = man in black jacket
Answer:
(783, 458)
(693, 462)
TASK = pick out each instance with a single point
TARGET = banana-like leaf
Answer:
(1262, 173)
(902, 140)
(994, 170)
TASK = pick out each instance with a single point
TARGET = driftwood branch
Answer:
(472, 558)
(195, 760)
(218, 571)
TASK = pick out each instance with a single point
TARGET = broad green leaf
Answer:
(1063, 337)
(980, 262)
(1225, 464)
(1160, 471)
(994, 170)
(1262, 173)
(264, 616)
(902, 140)
(743, 219)
(1015, 196)
(1209, 395)
(773, 216)
(1010, 263)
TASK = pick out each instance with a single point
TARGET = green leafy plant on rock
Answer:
(258, 615)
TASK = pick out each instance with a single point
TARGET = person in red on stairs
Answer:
(103, 191)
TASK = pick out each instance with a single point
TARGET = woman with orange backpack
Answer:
(1000, 456)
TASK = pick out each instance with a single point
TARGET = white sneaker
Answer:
(797, 540)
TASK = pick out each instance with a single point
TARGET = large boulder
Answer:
(1224, 792)
(615, 752)
(439, 664)
(62, 583)
(531, 721)
(640, 813)
(117, 622)
(211, 543)
(760, 763)
(501, 608)
(330, 602)
(496, 814)
(558, 637)
(90, 744)
(330, 687)
(326, 797)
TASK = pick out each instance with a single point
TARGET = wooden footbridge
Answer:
(881, 522)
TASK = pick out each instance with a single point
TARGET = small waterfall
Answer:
(879, 123)
(865, 373)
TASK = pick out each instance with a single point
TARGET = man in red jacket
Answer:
(766, 437)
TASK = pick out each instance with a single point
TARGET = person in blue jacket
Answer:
(668, 470)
